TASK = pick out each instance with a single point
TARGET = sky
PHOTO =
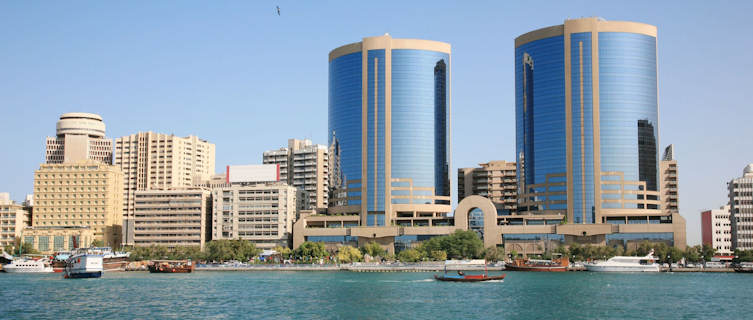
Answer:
(237, 74)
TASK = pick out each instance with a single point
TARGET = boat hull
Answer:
(536, 269)
(170, 269)
(599, 268)
(468, 278)
(10, 269)
(84, 275)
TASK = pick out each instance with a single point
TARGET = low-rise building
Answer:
(84, 193)
(50, 239)
(262, 213)
(716, 229)
(13, 218)
(172, 218)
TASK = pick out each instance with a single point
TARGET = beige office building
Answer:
(86, 193)
(261, 213)
(79, 136)
(155, 161)
(305, 166)
(13, 218)
(669, 186)
(51, 239)
(495, 180)
(172, 218)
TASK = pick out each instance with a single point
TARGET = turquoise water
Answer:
(346, 295)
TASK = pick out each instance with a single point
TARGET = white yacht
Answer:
(626, 264)
(83, 264)
(28, 266)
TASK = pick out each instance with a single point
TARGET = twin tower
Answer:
(586, 112)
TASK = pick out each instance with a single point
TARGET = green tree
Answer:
(28, 248)
(707, 252)
(438, 255)
(311, 250)
(8, 249)
(494, 254)
(373, 249)
(285, 252)
(226, 250)
(98, 243)
(410, 255)
(348, 254)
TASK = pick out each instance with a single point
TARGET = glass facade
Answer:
(419, 128)
(629, 108)
(625, 238)
(420, 120)
(627, 123)
(539, 118)
(345, 118)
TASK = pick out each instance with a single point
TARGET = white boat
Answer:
(83, 265)
(28, 266)
(626, 264)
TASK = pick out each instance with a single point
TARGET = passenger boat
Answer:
(28, 266)
(745, 267)
(461, 277)
(171, 266)
(555, 265)
(83, 264)
(467, 278)
(112, 260)
(626, 264)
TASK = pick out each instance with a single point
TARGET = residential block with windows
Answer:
(85, 193)
(495, 180)
(155, 161)
(741, 209)
(261, 213)
(716, 229)
(172, 217)
(13, 218)
(305, 166)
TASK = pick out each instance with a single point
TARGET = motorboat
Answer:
(83, 264)
(28, 266)
(626, 264)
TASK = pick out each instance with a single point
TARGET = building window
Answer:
(44, 243)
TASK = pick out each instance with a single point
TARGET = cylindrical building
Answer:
(389, 128)
(587, 121)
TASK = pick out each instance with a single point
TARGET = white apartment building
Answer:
(156, 161)
(13, 219)
(741, 209)
(261, 213)
(716, 229)
(172, 217)
(79, 136)
(305, 166)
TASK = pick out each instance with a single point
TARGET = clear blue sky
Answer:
(242, 77)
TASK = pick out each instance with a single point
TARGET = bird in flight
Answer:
(278, 10)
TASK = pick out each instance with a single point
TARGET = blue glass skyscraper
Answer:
(587, 121)
(389, 128)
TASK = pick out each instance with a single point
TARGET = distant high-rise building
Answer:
(305, 166)
(155, 161)
(80, 136)
(716, 229)
(587, 132)
(741, 209)
(495, 180)
(171, 218)
(85, 193)
(669, 186)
